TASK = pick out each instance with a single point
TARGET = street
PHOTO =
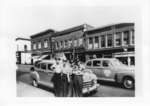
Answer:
(106, 89)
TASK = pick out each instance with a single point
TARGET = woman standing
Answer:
(57, 79)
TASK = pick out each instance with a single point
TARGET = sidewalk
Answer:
(25, 90)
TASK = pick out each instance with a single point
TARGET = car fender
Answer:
(121, 76)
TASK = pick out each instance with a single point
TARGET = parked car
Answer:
(41, 73)
(111, 69)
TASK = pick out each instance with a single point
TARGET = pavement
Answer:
(26, 90)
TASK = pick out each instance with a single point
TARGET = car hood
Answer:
(88, 76)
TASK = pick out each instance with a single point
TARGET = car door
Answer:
(42, 72)
(97, 69)
(50, 72)
(107, 72)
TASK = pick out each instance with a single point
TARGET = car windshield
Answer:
(116, 62)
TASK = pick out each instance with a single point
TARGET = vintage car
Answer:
(42, 73)
(111, 69)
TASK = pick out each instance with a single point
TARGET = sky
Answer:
(24, 19)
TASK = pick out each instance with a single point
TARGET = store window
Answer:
(109, 40)
(39, 45)
(118, 39)
(126, 38)
(45, 43)
(102, 40)
(96, 42)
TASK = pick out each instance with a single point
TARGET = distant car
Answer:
(111, 69)
(42, 73)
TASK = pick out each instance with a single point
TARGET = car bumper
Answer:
(88, 90)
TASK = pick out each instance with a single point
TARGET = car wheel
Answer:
(34, 83)
(128, 83)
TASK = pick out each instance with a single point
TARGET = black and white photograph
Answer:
(73, 49)
(85, 60)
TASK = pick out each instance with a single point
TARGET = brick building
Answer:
(71, 42)
(111, 41)
(85, 41)
(41, 45)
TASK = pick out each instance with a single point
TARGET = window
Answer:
(126, 38)
(39, 45)
(66, 43)
(80, 41)
(75, 43)
(132, 61)
(96, 42)
(109, 40)
(90, 43)
(103, 41)
(118, 39)
(89, 63)
(105, 63)
(45, 43)
(37, 65)
(43, 66)
(96, 63)
(34, 46)
(57, 45)
(70, 43)
(62, 44)
(49, 66)
(132, 36)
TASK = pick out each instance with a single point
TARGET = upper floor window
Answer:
(39, 45)
(80, 41)
(132, 36)
(70, 43)
(34, 46)
(56, 45)
(102, 40)
(96, 42)
(66, 43)
(75, 43)
(118, 39)
(126, 38)
(90, 43)
(45, 43)
(109, 40)
(61, 44)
